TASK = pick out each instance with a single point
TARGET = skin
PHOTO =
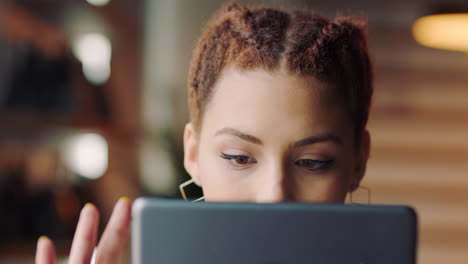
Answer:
(265, 137)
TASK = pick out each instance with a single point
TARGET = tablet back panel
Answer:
(179, 232)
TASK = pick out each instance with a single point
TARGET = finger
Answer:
(84, 240)
(45, 252)
(115, 236)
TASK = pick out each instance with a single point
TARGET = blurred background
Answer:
(93, 104)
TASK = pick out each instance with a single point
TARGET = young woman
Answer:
(279, 103)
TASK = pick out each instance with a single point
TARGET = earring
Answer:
(182, 191)
(368, 196)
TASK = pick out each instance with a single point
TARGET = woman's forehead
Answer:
(272, 88)
(261, 101)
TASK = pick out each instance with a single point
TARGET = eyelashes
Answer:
(313, 165)
(238, 160)
(244, 161)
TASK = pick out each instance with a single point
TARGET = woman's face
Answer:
(271, 137)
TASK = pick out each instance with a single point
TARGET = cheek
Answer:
(221, 184)
(329, 188)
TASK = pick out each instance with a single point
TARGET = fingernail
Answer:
(42, 238)
(84, 210)
(124, 198)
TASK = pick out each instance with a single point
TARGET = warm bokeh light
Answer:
(98, 2)
(87, 155)
(444, 31)
(94, 50)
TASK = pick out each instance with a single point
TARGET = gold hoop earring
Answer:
(368, 196)
(184, 195)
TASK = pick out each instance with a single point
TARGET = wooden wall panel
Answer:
(419, 156)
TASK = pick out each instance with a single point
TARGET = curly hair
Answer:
(300, 42)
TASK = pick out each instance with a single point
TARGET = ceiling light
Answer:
(444, 31)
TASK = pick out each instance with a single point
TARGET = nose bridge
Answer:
(275, 183)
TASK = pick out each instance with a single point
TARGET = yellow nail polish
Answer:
(43, 237)
(89, 204)
(124, 198)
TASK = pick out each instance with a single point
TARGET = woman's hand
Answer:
(112, 242)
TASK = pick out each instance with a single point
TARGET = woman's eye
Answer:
(311, 164)
(238, 159)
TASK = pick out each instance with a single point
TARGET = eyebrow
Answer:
(239, 134)
(303, 142)
(318, 138)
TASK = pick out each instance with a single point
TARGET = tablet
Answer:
(178, 232)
